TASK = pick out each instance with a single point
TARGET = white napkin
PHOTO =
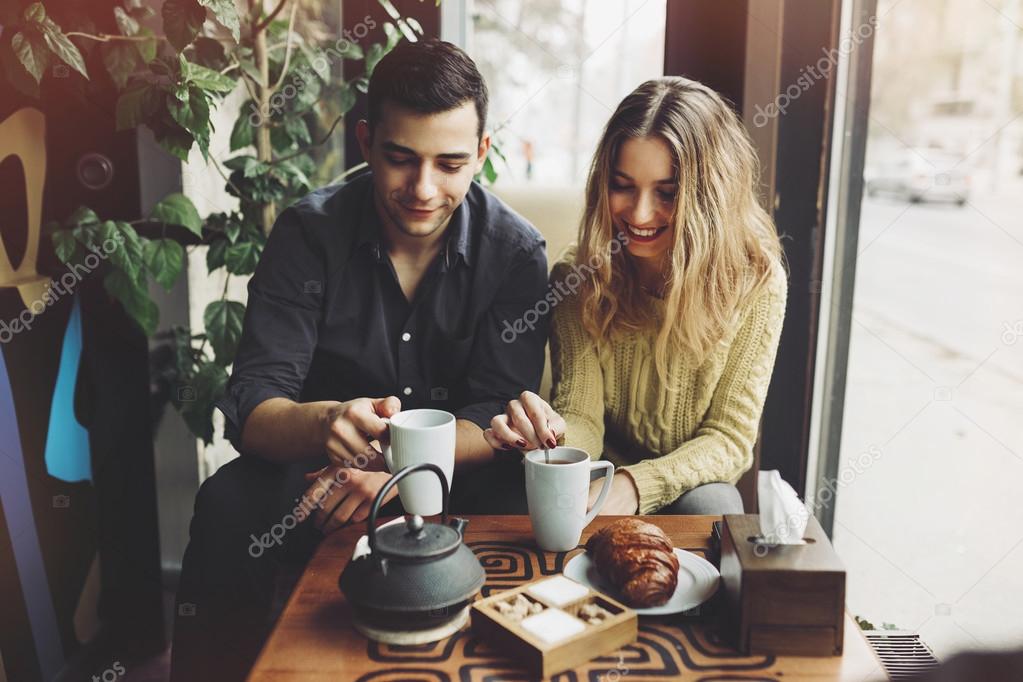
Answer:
(783, 516)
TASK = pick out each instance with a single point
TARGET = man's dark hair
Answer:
(428, 77)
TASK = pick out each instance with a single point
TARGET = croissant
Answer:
(638, 559)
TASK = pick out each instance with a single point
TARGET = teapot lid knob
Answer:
(415, 523)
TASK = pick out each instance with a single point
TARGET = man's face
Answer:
(422, 164)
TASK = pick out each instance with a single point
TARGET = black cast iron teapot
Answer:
(416, 574)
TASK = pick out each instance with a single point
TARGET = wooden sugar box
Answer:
(541, 656)
(788, 599)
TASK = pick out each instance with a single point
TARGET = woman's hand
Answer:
(622, 499)
(528, 423)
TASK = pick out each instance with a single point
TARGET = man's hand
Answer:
(350, 426)
(345, 495)
(622, 499)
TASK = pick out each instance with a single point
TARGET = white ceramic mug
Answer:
(415, 437)
(557, 495)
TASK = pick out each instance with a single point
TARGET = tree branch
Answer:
(107, 37)
(287, 50)
(216, 164)
(303, 150)
(270, 17)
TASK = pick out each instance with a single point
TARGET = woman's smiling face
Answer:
(642, 196)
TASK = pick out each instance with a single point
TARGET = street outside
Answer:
(931, 530)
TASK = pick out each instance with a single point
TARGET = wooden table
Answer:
(314, 639)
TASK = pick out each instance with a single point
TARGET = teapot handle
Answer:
(371, 522)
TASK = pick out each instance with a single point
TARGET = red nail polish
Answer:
(551, 443)
(521, 443)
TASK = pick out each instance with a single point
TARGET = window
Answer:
(928, 520)
(556, 70)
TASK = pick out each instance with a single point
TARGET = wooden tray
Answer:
(541, 656)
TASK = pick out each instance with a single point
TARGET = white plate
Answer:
(697, 582)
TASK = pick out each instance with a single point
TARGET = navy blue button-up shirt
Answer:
(327, 319)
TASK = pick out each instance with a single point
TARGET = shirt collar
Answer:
(459, 234)
(458, 239)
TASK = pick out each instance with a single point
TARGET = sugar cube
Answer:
(558, 591)
(553, 625)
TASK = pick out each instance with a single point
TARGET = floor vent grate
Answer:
(903, 654)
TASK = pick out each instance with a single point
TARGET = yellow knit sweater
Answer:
(672, 442)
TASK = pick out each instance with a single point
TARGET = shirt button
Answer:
(407, 390)
(406, 336)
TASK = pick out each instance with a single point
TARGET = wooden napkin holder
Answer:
(786, 599)
(545, 659)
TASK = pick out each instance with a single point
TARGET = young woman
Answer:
(668, 310)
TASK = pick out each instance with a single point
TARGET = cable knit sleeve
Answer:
(722, 447)
(577, 392)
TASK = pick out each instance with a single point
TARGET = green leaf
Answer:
(489, 172)
(375, 54)
(232, 229)
(164, 258)
(146, 48)
(223, 320)
(125, 22)
(495, 148)
(175, 140)
(65, 245)
(209, 52)
(177, 209)
(347, 98)
(137, 104)
(62, 46)
(88, 234)
(226, 14)
(205, 387)
(297, 130)
(215, 254)
(293, 174)
(83, 215)
(15, 71)
(128, 253)
(242, 133)
(35, 13)
(182, 20)
(317, 61)
(135, 300)
(249, 166)
(208, 79)
(241, 258)
(194, 116)
(31, 51)
(121, 59)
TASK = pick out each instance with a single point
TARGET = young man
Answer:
(389, 292)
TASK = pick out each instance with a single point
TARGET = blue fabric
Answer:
(67, 454)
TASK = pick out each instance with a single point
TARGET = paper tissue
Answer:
(783, 584)
(783, 516)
